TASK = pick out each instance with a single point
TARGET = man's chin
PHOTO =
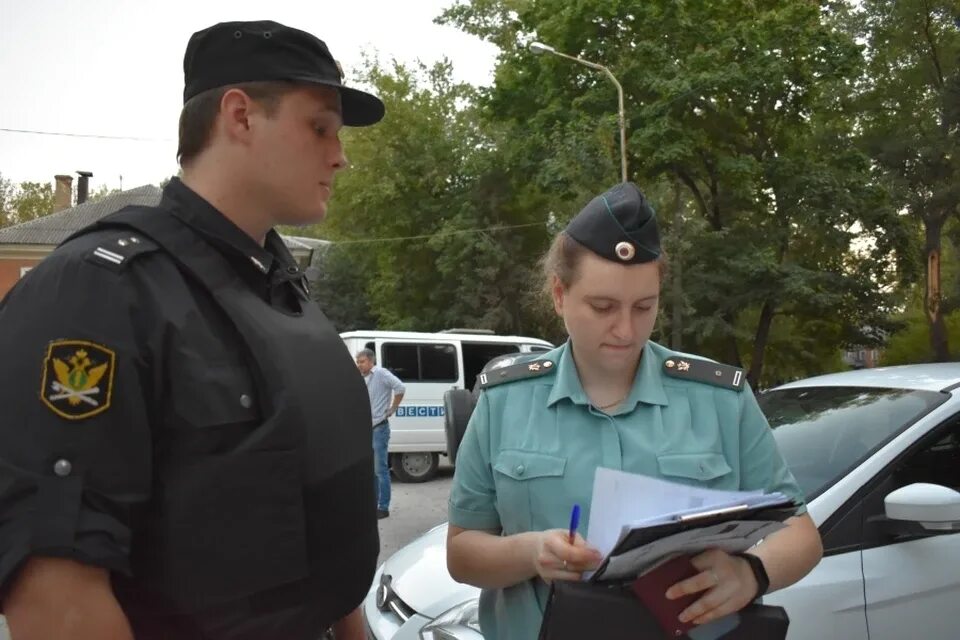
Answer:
(304, 218)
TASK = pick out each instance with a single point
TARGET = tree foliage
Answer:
(910, 114)
(25, 201)
(753, 117)
(802, 158)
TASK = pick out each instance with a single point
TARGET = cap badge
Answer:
(625, 251)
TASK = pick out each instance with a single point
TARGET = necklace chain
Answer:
(612, 404)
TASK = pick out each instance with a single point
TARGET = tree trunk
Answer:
(676, 269)
(733, 351)
(932, 296)
(760, 344)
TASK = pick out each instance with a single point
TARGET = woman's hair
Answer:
(562, 262)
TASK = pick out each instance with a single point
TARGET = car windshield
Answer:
(825, 432)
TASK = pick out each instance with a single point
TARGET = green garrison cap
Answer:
(619, 225)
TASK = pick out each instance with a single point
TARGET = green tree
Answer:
(910, 341)
(6, 202)
(911, 344)
(101, 192)
(339, 280)
(27, 201)
(752, 116)
(911, 123)
(428, 214)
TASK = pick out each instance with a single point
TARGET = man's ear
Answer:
(234, 119)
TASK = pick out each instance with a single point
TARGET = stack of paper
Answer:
(626, 502)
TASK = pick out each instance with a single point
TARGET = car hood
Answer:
(420, 576)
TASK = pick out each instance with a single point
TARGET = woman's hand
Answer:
(556, 559)
(727, 582)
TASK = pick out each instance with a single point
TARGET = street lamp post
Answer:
(539, 47)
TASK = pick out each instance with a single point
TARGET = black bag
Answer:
(610, 611)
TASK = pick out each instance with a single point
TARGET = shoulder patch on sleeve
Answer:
(696, 370)
(116, 251)
(516, 372)
(77, 378)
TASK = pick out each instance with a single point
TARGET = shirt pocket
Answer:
(708, 469)
(529, 488)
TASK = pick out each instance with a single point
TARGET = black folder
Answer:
(645, 535)
(609, 610)
(588, 611)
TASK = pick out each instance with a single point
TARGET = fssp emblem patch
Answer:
(77, 378)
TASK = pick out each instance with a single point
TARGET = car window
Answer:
(936, 463)
(421, 362)
(824, 432)
(478, 354)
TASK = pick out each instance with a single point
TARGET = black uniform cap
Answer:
(237, 52)
(619, 225)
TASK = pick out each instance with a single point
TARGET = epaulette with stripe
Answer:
(117, 250)
(516, 372)
(697, 370)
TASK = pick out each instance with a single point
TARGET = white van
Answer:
(429, 364)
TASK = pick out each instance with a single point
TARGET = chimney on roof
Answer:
(83, 186)
(63, 195)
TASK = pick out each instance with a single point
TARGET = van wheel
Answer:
(415, 467)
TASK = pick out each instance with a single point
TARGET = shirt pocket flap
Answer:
(524, 465)
(696, 466)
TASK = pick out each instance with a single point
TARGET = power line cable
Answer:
(84, 135)
(438, 235)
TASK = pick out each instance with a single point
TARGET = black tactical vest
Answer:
(283, 519)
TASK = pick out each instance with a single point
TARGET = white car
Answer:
(877, 453)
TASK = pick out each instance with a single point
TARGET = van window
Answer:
(421, 362)
(478, 354)
(537, 348)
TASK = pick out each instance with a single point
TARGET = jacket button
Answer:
(520, 470)
(245, 401)
(62, 468)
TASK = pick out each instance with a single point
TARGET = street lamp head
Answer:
(539, 47)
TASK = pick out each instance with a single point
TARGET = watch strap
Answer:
(759, 572)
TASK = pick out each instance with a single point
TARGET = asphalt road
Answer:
(414, 509)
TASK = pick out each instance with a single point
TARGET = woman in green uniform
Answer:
(608, 397)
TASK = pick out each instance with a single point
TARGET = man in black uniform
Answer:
(184, 439)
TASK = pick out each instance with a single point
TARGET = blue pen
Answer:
(574, 522)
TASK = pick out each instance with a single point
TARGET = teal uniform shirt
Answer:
(533, 445)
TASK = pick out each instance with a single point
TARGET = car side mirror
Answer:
(933, 507)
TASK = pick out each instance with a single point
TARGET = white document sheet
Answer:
(733, 537)
(623, 501)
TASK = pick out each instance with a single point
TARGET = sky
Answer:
(114, 68)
